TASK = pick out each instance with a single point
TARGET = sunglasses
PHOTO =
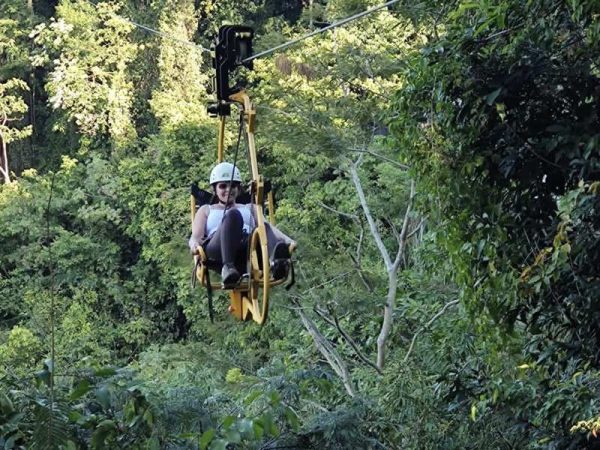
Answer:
(224, 186)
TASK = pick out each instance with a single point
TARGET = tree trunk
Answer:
(392, 267)
(4, 161)
(388, 316)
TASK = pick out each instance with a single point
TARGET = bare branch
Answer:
(417, 228)
(394, 229)
(402, 238)
(372, 226)
(388, 316)
(359, 244)
(329, 208)
(361, 275)
(385, 158)
(427, 325)
(335, 322)
(330, 354)
(4, 160)
(325, 283)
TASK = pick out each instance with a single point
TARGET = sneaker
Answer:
(229, 276)
(281, 261)
(281, 251)
(280, 268)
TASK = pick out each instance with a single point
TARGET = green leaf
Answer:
(129, 410)
(104, 430)
(6, 405)
(233, 436)
(149, 417)
(275, 398)
(473, 412)
(206, 437)
(75, 416)
(82, 388)
(103, 396)
(10, 443)
(491, 97)
(228, 421)
(153, 444)
(269, 424)
(259, 429)
(105, 372)
(252, 396)
(218, 444)
(292, 418)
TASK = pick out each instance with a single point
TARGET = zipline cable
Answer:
(165, 35)
(271, 50)
(322, 30)
(159, 33)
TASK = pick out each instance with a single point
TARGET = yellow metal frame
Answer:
(250, 299)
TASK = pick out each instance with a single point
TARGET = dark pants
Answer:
(229, 244)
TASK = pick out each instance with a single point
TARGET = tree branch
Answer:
(372, 226)
(402, 238)
(392, 225)
(329, 208)
(326, 349)
(335, 322)
(427, 325)
(361, 275)
(417, 228)
(385, 158)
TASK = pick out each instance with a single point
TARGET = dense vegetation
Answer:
(437, 162)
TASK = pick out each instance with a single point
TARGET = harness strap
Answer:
(293, 280)
(194, 270)
(209, 294)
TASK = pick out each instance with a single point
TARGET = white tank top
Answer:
(215, 217)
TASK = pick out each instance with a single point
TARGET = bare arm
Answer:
(199, 228)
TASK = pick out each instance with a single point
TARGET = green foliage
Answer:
(88, 50)
(94, 408)
(497, 121)
(490, 106)
(179, 97)
(21, 351)
(12, 109)
(13, 39)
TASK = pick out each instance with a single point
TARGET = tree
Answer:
(12, 109)
(88, 49)
(328, 106)
(499, 122)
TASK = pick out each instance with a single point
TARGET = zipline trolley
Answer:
(250, 298)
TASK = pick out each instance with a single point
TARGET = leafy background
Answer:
(489, 109)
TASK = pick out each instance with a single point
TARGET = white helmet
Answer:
(222, 172)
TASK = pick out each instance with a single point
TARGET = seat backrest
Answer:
(202, 197)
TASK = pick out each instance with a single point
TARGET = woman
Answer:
(223, 228)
